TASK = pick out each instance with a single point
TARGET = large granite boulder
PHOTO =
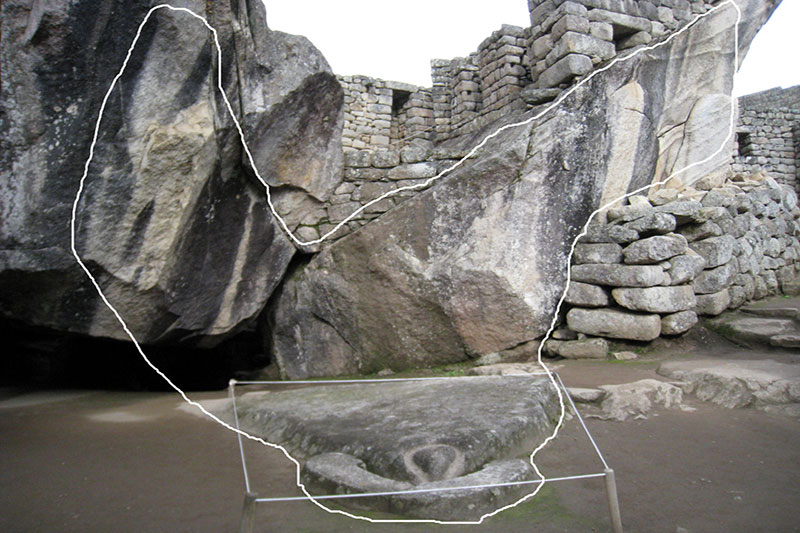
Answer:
(171, 222)
(476, 264)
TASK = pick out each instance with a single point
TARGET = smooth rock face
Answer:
(656, 299)
(170, 223)
(615, 324)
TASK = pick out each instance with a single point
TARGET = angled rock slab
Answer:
(410, 431)
(656, 299)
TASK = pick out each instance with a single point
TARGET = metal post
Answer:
(613, 500)
(248, 513)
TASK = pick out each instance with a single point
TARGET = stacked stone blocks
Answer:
(659, 263)
(768, 135)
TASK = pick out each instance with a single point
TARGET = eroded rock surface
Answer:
(171, 221)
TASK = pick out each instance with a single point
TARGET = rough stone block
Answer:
(715, 250)
(715, 279)
(601, 30)
(608, 233)
(656, 299)
(579, 43)
(655, 223)
(597, 253)
(386, 159)
(357, 158)
(686, 267)
(654, 250)
(637, 39)
(586, 295)
(678, 323)
(696, 232)
(619, 275)
(580, 349)
(567, 23)
(713, 304)
(621, 22)
(412, 171)
(565, 69)
(614, 324)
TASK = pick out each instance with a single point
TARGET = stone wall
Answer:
(656, 266)
(566, 39)
(383, 115)
(767, 134)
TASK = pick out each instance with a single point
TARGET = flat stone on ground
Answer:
(737, 383)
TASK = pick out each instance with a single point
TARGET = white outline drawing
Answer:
(421, 185)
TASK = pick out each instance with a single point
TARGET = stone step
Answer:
(785, 341)
(772, 312)
(754, 330)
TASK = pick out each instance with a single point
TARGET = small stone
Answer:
(534, 96)
(582, 395)
(597, 253)
(586, 295)
(696, 232)
(678, 323)
(625, 356)
(601, 233)
(580, 349)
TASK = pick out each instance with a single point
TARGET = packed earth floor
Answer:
(100, 460)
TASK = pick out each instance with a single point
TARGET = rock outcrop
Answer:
(171, 222)
(476, 264)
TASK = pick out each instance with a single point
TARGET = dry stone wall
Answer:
(660, 262)
(768, 134)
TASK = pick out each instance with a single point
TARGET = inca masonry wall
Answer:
(566, 39)
(768, 135)
(661, 262)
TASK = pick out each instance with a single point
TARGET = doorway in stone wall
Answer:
(398, 125)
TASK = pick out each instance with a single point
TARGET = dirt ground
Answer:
(101, 461)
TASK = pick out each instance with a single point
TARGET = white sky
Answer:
(396, 40)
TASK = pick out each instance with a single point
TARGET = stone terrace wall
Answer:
(657, 266)
(767, 135)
